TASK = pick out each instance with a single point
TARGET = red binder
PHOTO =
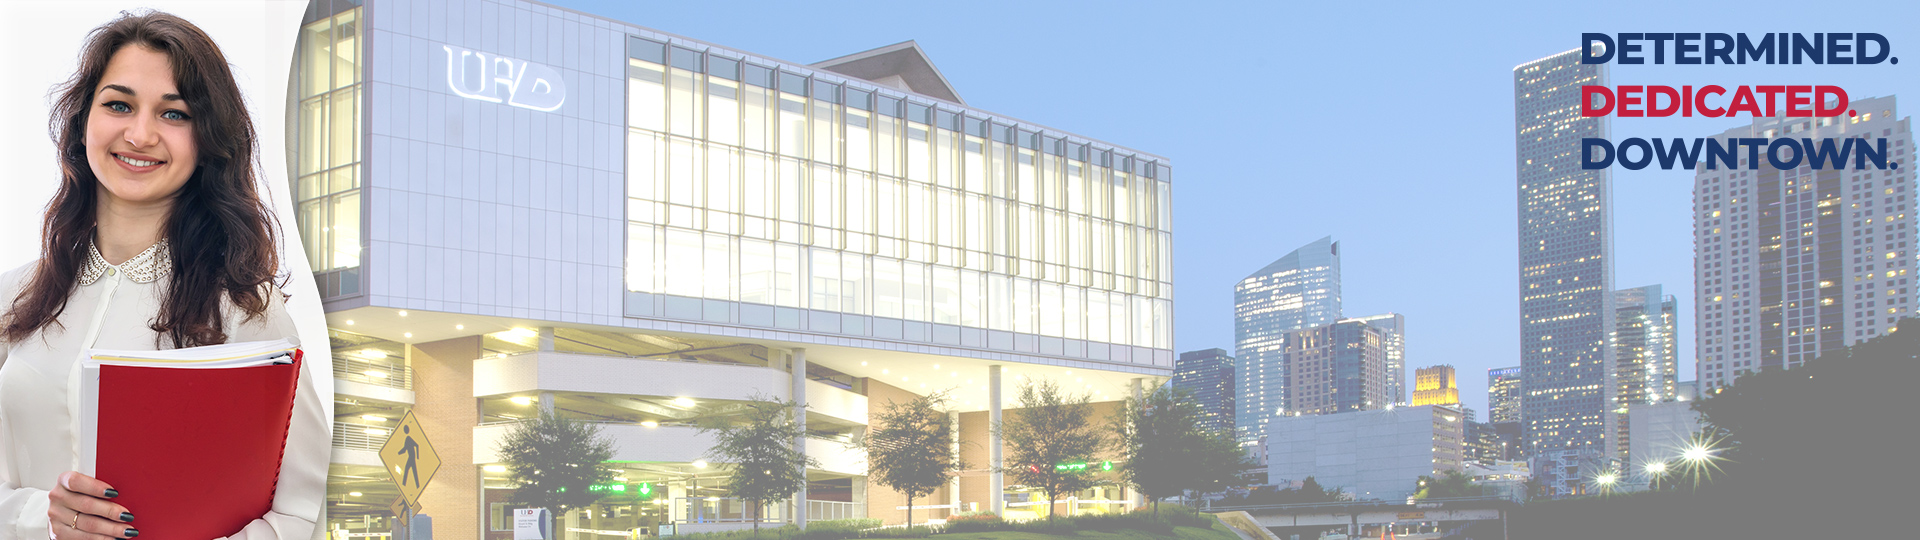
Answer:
(193, 450)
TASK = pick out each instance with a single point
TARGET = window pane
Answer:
(345, 236)
(646, 96)
(642, 263)
(343, 111)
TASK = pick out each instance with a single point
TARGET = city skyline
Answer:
(1454, 229)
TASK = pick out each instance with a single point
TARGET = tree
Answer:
(554, 461)
(910, 447)
(757, 448)
(1451, 484)
(1050, 440)
(1220, 461)
(1810, 441)
(1164, 449)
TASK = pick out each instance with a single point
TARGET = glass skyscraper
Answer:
(1298, 290)
(1793, 264)
(1645, 366)
(1646, 336)
(1394, 326)
(1566, 259)
(1503, 395)
(1208, 376)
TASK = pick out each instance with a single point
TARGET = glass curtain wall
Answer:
(327, 168)
(755, 184)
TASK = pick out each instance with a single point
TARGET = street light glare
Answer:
(1657, 468)
(1696, 453)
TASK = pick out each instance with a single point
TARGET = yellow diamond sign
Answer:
(400, 509)
(410, 459)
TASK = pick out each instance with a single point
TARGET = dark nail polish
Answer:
(124, 517)
(132, 532)
(111, 493)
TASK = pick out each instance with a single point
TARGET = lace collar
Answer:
(146, 267)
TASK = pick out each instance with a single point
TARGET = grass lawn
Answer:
(1218, 532)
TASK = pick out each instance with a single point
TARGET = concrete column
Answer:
(799, 363)
(676, 503)
(546, 401)
(445, 407)
(997, 487)
(546, 338)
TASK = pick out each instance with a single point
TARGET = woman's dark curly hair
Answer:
(220, 232)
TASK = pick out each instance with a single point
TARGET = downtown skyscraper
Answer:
(1208, 378)
(1336, 368)
(1298, 290)
(1646, 339)
(1566, 260)
(1503, 395)
(1646, 367)
(1395, 327)
(1793, 264)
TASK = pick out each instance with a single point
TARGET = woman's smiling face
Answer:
(139, 137)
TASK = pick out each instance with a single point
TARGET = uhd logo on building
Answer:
(495, 78)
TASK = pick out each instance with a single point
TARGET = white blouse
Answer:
(111, 308)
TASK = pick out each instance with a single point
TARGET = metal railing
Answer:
(1440, 501)
(831, 510)
(359, 436)
(378, 373)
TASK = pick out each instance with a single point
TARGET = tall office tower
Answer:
(1645, 365)
(1208, 376)
(1646, 334)
(1435, 386)
(1299, 290)
(1395, 325)
(1503, 395)
(1340, 367)
(1793, 264)
(1566, 258)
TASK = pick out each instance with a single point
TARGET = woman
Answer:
(155, 239)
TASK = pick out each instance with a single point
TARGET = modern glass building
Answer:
(1208, 375)
(1793, 264)
(1298, 290)
(512, 206)
(1503, 395)
(1566, 259)
(1335, 368)
(1395, 327)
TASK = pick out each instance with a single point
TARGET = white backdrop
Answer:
(41, 51)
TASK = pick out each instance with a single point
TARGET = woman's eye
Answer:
(116, 106)
(176, 116)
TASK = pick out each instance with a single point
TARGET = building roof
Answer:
(901, 66)
(1317, 253)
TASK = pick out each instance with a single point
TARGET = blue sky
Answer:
(1389, 127)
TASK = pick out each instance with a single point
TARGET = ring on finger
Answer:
(75, 524)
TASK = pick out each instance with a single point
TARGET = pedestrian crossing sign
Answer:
(410, 460)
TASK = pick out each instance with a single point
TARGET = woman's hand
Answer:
(78, 509)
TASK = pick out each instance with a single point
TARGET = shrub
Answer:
(977, 522)
(903, 532)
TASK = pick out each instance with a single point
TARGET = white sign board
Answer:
(530, 523)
